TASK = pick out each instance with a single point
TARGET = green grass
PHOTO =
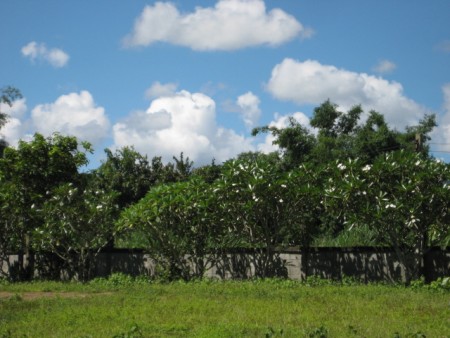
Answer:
(270, 308)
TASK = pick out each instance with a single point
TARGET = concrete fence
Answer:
(363, 263)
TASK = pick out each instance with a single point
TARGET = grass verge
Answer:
(268, 308)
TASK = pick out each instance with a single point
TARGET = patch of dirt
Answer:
(44, 294)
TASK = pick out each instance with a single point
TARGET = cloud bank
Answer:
(310, 82)
(183, 122)
(38, 51)
(229, 25)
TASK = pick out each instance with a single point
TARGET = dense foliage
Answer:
(349, 176)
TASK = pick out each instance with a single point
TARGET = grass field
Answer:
(271, 308)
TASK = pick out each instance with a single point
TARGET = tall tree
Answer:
(342, 135)
(28, 176)
(128, 173)
(295, 141)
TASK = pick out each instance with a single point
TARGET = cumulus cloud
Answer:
(248, 104)
(280, 122)
(158, 89)
(14, 128)
(229, 25)
(73, 114)
(310, 82)
(183, 122)
(384, 67)
(38, 51)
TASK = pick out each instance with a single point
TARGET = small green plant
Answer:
(119, 279)
(6, 334)
(318, 332)
(271, 332)
(440, 284)
(350, 280)
(417, 334)
(352, 330)
(16, 297)
(317, 281)
(134, 332)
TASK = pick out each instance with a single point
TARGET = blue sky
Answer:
(196, 76)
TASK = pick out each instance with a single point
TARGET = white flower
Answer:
(341, 166)
(390, 206)
(281, 200)
(99, 206)
(283, 185)
(418, 162)
(367, 168)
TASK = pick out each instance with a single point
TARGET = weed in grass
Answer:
(417, 334)
(271, 332)
(318, 332)
(317, 281)
(6, 334)
(119, 280)
(352, 330)
(16, 298)
(133, 332)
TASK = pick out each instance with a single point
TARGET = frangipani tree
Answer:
(402, 197)
(265, 208)
(176, 221)
(77, 224)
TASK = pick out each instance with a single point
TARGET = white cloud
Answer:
(280, 122)
(73, 114)
(310, 82)
(38, 51)
(158, 89)
(385, 66)
(249, 109)
(14, 128)
(184, 122)
(229, 25)
(17, 109)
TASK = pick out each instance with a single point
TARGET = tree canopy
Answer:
(354, 172)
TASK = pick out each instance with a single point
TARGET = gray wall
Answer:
(365, 264)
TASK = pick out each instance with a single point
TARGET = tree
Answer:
(295, 141)
(250, 199)
(402, 197)
(128, 173)
(28, 176)
(342, 135)
(209, 173)
(175, 219)
(77, 224)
